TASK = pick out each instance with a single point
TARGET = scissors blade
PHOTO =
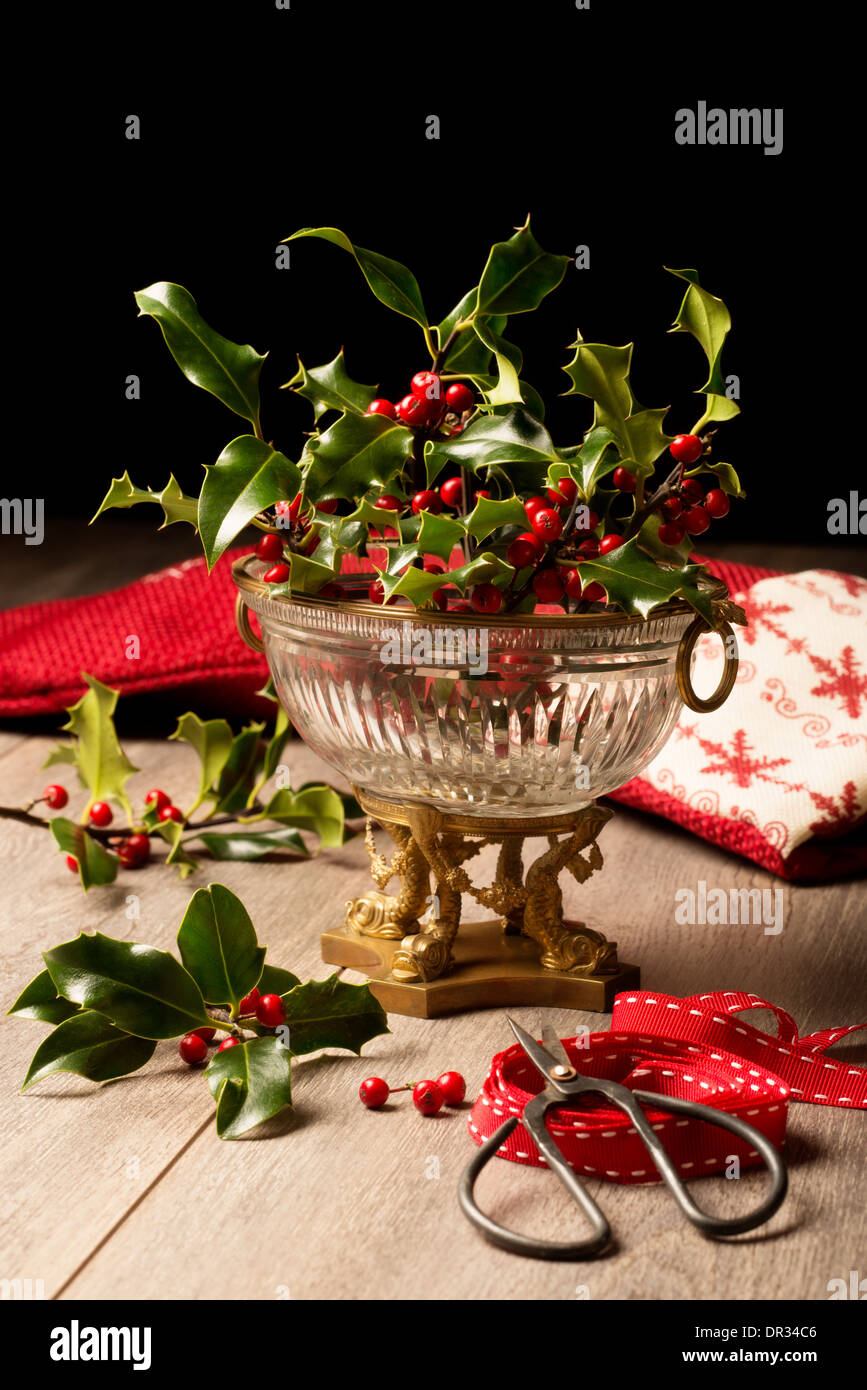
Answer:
(541, 1059)
(554, 1045)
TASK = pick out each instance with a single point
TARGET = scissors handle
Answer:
(513, 1240)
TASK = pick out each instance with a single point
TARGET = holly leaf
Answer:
(589, 463)
(280, 737)
(238, 777)
(101, 762)
(529, 395)
(249, 845)
(307, 576)
(725, 474)
(648, 539)
(330, 388)
(418, 585)
(709, 321)
(354, 454)
(172, 832)
(63, 753)
(250, 1083)
(511, 439)
(41, 1001)
(601, 372)
(518, 275)
(90, 1046)
(212, 740)
(467, 354)
(506, 389)
(95, 865)
(391, 282)
(638, 584)
(229, 371)
(218, 946)
(490, 514)
(317, 808)
(275, 980)
(175, 504)
(329, 1013)
(140, 989)
(248, 476)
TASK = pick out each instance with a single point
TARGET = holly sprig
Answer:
(247, 814)
(463, 469)
(111, 1002)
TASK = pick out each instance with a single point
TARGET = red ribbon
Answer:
(692, 1048)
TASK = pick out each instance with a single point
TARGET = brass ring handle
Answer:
(684, 657)
(242, 622)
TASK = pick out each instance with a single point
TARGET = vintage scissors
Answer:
(564, 1083)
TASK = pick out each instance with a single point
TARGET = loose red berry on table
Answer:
(671, 508)
(100, 813)
(453, 1087)
(585, 520)
(486, 598)
(686, 448)
(547, 585)
(573, 584)
(133, 851)
(451, 492)
(609, 543)
(671, 533)
(388, 503)
(156, 800)
(271, 1010)
(171, 813)
(277, 574)
(696, 520)
(589, 548)
(427, 1097)
(373, 1092)
(459, 398)
(547, 524)
(270, 548)
(249, 1002)
(692, 490)
(427, 385)
(55, 796)
(716, 503)
(623, 480)
(228, 1042)
(594, 593)
(382, 407)
(522, 552)
(193, 1049)
(72, 863)
(534, 505)
(206, 1034)
(427, 501)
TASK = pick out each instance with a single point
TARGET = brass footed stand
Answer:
(528, 956)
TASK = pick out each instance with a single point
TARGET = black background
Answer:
(255, 122)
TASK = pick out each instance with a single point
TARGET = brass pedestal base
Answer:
(489, 970)
(410, 944)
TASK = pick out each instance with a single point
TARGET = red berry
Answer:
(692, 490)
(271, 1010)
(459, 398)
(589, 548)
(330, 590)
(609, 543)
(100, 813)
(249, 1002)
(291, 510)
(546, 524)
(171, 813)
(72, 863)
(55, 796)
(486, 598)
(534, 505)
(564, 494)
(547, 585)
(193, 1049)
(716, 503)
(277, 574)
(453, 1087)
(522, 552)
(671, 533)
(462, 606)
(593, 593)
(418, 410)
(134, 850)
(388, 503)
(427, 1097)
(696, 520)
(585, 520)
(428, 386)
(482, 492)
(270, 548)
(228, 1042)
(573, 584)
(427, 501)
(624, 480)
(686, 448)
(329, 506)
(373, 1092)
(452, 491)
(156, 800)
(440, 599)
(206, 1034)
(672, 508)
(376, 593)
(382, 407)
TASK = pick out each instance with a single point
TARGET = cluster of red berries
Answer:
(688, 508)
(132, 850)
(270, 547)
(427, 403)
(269, 1010)
(428, 1097)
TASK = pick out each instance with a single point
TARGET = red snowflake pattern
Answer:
(849, 683)
(742, 768)
(835, 820)
(761, 614)
(852, 583)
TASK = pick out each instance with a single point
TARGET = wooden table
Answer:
(124, 1191)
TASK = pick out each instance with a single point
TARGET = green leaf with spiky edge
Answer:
(280, 737)
(275, 980)
(212, 740)
(250, 1083)
(725, 475)
(391, 282)
(308, 576)
(508, 359)
(218, 946)
(96, 866)
(248, 476)
(648, 540)
(601, 372)
(226, 369)
(317, 808)
(104, 767)
(238, 777)
(588, 463)
(175, 504)
(329, 1013)
(468, 353)
(490, 514)
(514, 438)
(354, 454)
(247, 845)
(708, 320)
(41, 1001)
(529, 395)
(637, 584)
(330, 387)
(418, 585)
(438, 535)
(518, 275)
(88, 1045)
(172, 832)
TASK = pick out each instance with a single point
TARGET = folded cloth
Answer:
(777, 774)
